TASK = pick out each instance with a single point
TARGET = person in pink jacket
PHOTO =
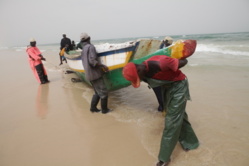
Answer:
(35, 60)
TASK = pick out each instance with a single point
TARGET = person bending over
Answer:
(164, 71)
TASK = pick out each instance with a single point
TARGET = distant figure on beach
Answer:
(94, 71)
(62, 57)
(167, 41)
(73, 45)
(35, 60)
(164, 71)
(79, 46)
(66, 41)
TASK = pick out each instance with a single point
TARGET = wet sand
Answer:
(51, 124)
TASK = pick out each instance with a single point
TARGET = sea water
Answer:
(230, 45)
(212, 49)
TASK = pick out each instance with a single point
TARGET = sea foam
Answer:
(220, 49)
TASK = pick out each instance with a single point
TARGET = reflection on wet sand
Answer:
(42, 101)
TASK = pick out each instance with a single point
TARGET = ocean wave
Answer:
(223, 49)
(4, 48)
(18, 49)
(222, 37)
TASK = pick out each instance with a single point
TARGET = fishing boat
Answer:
(116, 56)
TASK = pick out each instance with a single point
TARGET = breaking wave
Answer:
(231, 50)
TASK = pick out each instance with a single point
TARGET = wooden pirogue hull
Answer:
(117, 58)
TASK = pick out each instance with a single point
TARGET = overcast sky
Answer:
(47, 20)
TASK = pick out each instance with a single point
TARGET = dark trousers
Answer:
(158, 93)
(100, 88)
(40, 71)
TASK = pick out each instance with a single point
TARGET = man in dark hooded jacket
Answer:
(94, 71)
(65, 42)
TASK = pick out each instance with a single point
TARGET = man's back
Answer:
(168, 68)
(90, 62)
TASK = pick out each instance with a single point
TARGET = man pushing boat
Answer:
(94, 71)
(164, 71)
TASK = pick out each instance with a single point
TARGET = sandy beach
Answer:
(51, 125)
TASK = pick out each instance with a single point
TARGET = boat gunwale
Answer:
(100, 54)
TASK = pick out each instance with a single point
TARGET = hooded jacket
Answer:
(90, 61)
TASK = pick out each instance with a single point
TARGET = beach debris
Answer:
(76, 80)
(69, 72)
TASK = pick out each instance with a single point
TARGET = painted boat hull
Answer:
(136, 52)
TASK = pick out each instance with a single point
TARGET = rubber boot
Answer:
(94, 103)
(104, 106)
